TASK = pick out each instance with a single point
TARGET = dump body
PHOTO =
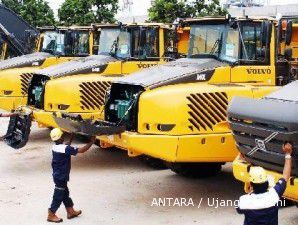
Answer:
(17, 37)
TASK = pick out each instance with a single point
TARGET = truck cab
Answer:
(54, 46)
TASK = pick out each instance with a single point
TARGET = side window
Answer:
(136, 43)
(80, 43)
(151, 47)
(169, 43)
(96, 37)
(145, 43)
(251, 45)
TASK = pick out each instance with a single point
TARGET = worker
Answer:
(7, 115)
(61, 164)
(261, 205)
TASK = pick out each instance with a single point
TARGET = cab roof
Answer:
(64, 28)
(161, 25)
(224, 19)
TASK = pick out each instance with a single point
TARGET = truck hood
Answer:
(179, 71)
(34, 59)
(95, 63)
(288, 93)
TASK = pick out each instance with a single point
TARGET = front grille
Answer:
(25, 80)
(249, 133)
(261, 143)
(206, 110)
(92, 94)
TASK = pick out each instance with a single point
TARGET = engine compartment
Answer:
(122, 105)
(36, 91)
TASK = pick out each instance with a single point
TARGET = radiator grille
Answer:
(206, 110)
(92, 94)
(25, 80)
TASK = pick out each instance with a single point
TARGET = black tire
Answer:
(154, 162)
(196, 170)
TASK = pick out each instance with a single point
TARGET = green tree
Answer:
(202, 8)
(77, 12)
(105, 10)
(85, 12)
(168, 10)
(14, 5)
(35, 12)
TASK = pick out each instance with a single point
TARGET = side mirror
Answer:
(288, 54)
(289, 30)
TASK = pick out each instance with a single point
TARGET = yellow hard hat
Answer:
(56, 134)
(257, 175)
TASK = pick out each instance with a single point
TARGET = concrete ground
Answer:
(111, 188)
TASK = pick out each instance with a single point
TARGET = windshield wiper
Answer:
(216, 44)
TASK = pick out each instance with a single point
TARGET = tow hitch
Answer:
(76, 124)
(18, 131)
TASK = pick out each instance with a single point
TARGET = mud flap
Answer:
(75, 124)
(18, 131)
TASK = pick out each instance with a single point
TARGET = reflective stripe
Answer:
(61, 189)
(59, 148)
(259, 201)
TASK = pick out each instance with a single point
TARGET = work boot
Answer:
(71, 213)
(53, 218)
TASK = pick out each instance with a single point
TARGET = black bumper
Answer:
(75, 124)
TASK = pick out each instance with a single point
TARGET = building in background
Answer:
(244, 3)
(136, 10)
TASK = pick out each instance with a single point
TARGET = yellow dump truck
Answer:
(263, 127)
(79, 87)
(55, 45)
(177, 112)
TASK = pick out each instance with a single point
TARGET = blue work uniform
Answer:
(262, 209)
(61, 164)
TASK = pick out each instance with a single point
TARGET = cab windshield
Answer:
(225, 43)
(124, 45)
(108, 39)
(138, 43)
(53, 42)
(66, 43)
